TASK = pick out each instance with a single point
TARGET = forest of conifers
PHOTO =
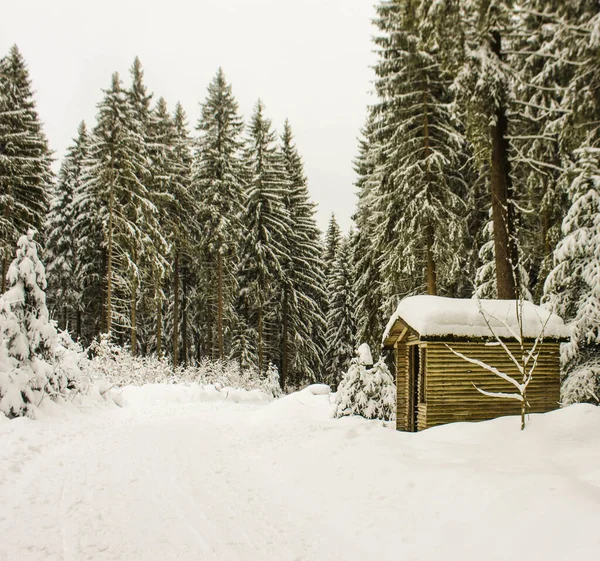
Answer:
(477, 173)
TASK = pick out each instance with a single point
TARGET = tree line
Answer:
(177, 245)
(478, 166)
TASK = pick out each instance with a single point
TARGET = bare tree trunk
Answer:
(260, 339)
(284, 354)
(109, 258)
(431, 272)
(184, 333)
(429, 232)
(158, 323)
(134, 318)
(504, 247)
(78, 323)
(4, 273)
(176, 310)
(100, 324)
(220, 305)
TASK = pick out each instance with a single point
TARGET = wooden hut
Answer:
(435, 386)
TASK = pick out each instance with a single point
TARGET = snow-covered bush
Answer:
(582, 385)
(271, 385)
(119, 367)
(368, 392)
(33, 363)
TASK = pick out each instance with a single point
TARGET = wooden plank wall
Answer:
(402, 404)
(450, 393)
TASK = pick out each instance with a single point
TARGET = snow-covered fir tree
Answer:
(63, 231)
(341, 316)
(25, 164)
(538, 121)
(366, 258)
(147, 257)
(182, 232)
(264, 249)
(366, 389)
(219, 182)
(483, 91)
(419, 191)
(127, 213)
(302, 319)
(331, 245)
(573, 286)
(27, 337)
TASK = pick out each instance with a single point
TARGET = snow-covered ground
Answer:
(179, 473)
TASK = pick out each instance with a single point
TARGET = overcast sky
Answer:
(308, 60)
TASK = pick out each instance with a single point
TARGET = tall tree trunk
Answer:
(176, 310)
(134, 318)
(260, 339)
(429, 232)
(220, 305)
(4, 273)
(184, 330)
(158, 299)
(284, 351)
(501, 210)
(500, 186)
(431, 272)
(78, 324)
(109, 259)
(100, 320)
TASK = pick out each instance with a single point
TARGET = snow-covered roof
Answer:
(435, 316)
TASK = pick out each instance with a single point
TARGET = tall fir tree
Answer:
(341, 316)
(264, 248)
(63, 226)
(333, 238)
(126, 211)
(371, 311)
(302, 319)
(148, 259)
(218, 180)
(573, 286)
(420, 186)
(484, 91)
(25, 161)
(182, 234)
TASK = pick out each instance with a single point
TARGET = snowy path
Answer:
(223, 481)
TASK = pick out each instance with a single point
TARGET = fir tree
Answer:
(369, 392)
(341, 318)
(63, 226)
(127, 213)
(264, 247)
(218, 179)
(540, 79)
(573, 286)
(483, 90)
(25, 162)
(148, 256)
(366, 258)
(28, 337)
(333, 238)
(302, 320)
(420, 186)
(183, 233)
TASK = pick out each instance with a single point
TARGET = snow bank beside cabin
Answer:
(436, 316)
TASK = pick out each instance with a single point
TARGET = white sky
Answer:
(308, 60)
